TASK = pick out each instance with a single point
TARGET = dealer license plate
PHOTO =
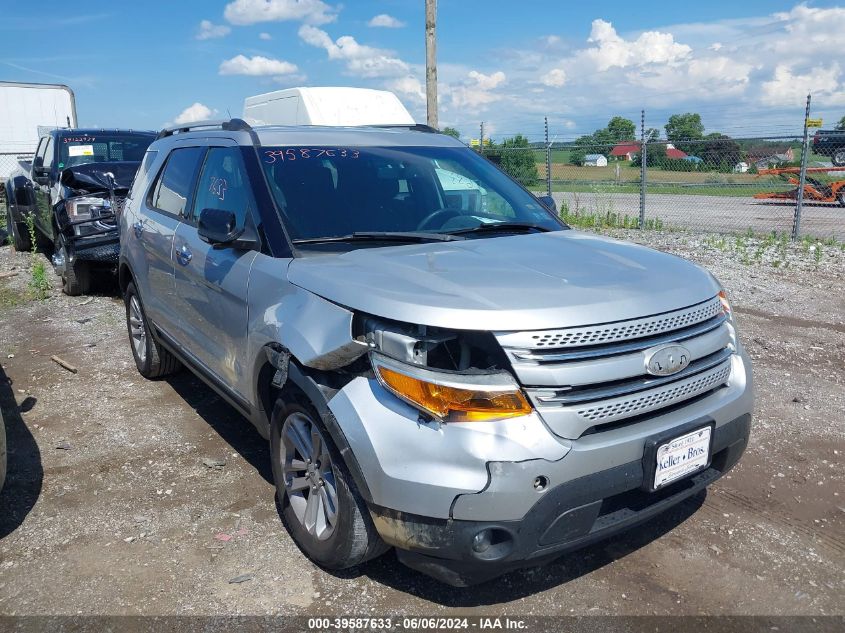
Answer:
(682, 456)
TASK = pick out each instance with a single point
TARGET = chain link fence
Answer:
(721, 184)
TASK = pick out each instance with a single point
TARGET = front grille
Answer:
(586, 377)
(619, 331)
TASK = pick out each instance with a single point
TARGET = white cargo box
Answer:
(326, 106)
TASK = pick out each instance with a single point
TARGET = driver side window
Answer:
(223, 184)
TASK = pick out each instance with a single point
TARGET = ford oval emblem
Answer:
(666, 360)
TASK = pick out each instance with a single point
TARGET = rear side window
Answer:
(223, 184)
(172, 191)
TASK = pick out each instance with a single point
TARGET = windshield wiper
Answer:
(385, 236)
(509, 227)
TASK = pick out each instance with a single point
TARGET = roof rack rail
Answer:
(232, 125)
(416, 127)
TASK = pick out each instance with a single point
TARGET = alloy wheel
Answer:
(308, 476)
(137, 329)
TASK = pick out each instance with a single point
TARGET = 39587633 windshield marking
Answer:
(304, 153)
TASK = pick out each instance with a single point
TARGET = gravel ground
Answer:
(112, 507)
(716, 213)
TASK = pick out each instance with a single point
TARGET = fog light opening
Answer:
(541, 483)
(492, 544)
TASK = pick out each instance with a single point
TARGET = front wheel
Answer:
(841, 198)
(321, 507)
(838, 157)
(76, 275)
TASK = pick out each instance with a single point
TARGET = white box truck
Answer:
(326, 106)
(26, 109)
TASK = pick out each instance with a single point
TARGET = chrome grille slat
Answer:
(611, 332)
(553, 356)
(619, 408)
(578, 396)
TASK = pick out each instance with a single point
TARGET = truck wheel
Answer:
(321, 508)
(17, 233)
(76, 275)
(838, 157)
(151, 359)
(841, 198)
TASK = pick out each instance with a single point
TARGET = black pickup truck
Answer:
(74, 189)
(830, 143)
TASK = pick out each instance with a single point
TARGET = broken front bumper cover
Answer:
(567, 517)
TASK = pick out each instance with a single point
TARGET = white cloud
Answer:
(790, 88)
(409, 87)
(477, 90)
(386, 21)
(555, 78)
(810, 31)
(265, 36)
(361, 60)
(244, 12)
(715, 46)
(651, 47)
(193, 113)
(256, 66)
(208, 30)
(486, 82)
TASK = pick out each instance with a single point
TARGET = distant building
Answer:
(628, 150)
(674, 153)
(741, 167)
(769, 156)
(595, 160)
(625, 151)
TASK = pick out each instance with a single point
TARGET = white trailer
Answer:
(26, 110)
(326, 106)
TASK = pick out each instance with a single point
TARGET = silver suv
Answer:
(439, 363)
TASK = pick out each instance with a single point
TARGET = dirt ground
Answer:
(109, 507)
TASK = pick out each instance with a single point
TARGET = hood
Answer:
(521, 282)
(92, 178)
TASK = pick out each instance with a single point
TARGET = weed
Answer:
(39, 284)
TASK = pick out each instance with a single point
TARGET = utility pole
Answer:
(431, 62)
(481, 140)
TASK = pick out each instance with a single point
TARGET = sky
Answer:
(746, 67)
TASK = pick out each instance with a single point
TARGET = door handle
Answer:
(138, 228)
(184, 255)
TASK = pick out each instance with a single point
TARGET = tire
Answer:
(17, 232)
(841, 198)
(351, 538)
(151, 359)
(838, 156)
(76, 275)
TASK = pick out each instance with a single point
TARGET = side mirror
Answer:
(41, 175)
(220, 229)
(548, 202)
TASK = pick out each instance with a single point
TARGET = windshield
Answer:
(339, 191)
(81, 149)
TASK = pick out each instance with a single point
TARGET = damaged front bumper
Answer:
(468, 502)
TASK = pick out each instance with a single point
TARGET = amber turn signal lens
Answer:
(726, 306)
(454, 404)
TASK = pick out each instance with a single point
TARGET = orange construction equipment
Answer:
(814, 190)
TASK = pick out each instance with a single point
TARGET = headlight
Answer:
(452, 397)
(87, 208)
